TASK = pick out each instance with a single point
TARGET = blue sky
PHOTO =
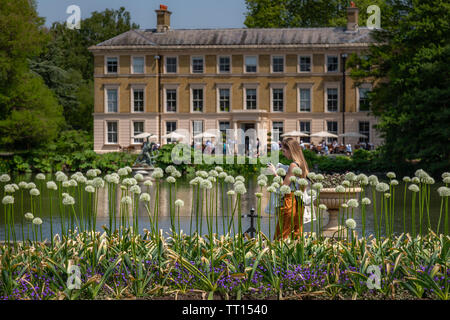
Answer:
(186, 14)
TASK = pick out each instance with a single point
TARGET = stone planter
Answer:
(332, 200)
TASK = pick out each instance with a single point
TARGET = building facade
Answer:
(279, 80)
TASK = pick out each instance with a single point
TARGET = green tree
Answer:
(410, 71)
(29, 113)
(317, 13)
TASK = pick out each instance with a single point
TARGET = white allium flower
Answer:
(213, 173)
(61, 177)
(212, 179)
(391, 175)
(148, 183)
(350, 223)
(206, 184)
(218, 169)
(231, 193)
(278, 179)
(22, 184)
(123, 188)
(91, 173)
(107, 178)
(122, 172)
(311, 175)
(446, 180)
(293, 179)
(5, 178)
(322, 207)
(171, 179)
(317, 186)
(413, 188)
(170, 169)
(344, 205)
(66, 184)
(9, 188)
(394, 182)
(176, 174)
(445, 175)
(319, 177)
(8, 200)
(373, 180)
(202, 174)
(68, 201)
(240, 189)
(81, 179)
(126, 200)
(353, 203)
(139, 177)
(179, 203)
(222, 175)
(263, 177)
(240, 178)
(31, 185)
(429, 180)
(194, 181)
(98, 171)
(157, 174)
(144, 197)
(346, 183)
(262, 183)
(64, 194)
(443, 191)
(114, 179)
(366, 201)
(129, 169)
(361, 177)
(297, 171)
(29, 216)
(40, 176)
(35, 192)
(364, 181)
(298, 193)
(15, 186)
(285, 189)
(229, 179)
(302, 182)
(406, 179)
(421, 174)
(350, 176)
(89, 189)
(275, 185)
(37, 221)
(127, 182)
(382, 187)
(387, 195)
(73, 183)
(98, 182)
(135, 189)
(339, 189)
(271, 189)
(415, 180)
(281, 172)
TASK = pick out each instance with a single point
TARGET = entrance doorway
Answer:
(249, 145)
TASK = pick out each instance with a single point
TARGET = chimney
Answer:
(352, 17)
(162, 19)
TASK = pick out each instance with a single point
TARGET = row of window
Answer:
(277, 102)
(278, 64)
(198, 127)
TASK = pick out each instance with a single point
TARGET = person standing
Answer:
(290, 211)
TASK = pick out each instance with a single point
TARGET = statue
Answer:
(148, 154)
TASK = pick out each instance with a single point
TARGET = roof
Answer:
(239, 37)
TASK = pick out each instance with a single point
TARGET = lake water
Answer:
(185, 192)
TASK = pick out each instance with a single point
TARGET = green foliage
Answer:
(413, 105)
(316, 13)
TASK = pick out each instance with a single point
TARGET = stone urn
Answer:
(332, 200)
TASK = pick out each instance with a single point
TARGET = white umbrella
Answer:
(295, 134)
(144, 135)
(324, 134)
(205, 135)
(352, 135)
(173, 135)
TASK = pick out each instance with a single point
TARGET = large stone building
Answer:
(160, 80)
